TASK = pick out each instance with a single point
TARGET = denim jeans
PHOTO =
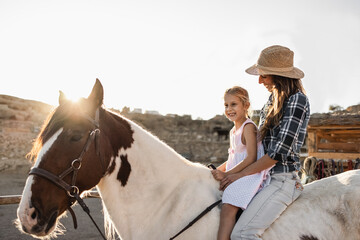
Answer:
(267, 206)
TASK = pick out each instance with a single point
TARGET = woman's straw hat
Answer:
(276, 60)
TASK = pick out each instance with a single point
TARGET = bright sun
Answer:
(76, 91)
(73, 96)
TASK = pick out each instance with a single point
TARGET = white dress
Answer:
(240, 192)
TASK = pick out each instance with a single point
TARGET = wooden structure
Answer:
(334, 136)
(15, 199)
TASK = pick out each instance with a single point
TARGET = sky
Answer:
(175, 57)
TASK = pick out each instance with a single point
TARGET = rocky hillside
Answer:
(20, 122)
(197, 140)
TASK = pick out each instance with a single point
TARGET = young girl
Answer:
(245, 148)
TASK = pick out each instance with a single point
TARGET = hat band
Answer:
(287, 69)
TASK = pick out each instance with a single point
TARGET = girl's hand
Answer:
(226, 181)
(218, 175)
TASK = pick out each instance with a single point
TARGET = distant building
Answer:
(137, 110)
(152, 112)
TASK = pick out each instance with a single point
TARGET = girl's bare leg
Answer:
(227, 221)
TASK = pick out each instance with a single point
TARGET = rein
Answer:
(72, 190)
(203, 213)
(208, 209)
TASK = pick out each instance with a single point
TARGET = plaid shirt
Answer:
(283, 142)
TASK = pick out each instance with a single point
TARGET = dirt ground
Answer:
(12, 183)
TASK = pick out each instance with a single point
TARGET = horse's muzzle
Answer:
(34, 222)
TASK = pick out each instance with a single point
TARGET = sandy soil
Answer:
(12, 183)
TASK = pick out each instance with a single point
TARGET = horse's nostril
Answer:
(33, 215)
(24, 229)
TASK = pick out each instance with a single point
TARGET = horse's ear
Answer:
(97, 94)
(62, 98)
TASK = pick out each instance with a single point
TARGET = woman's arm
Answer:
(261, 164)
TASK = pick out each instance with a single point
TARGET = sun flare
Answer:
(73, 97)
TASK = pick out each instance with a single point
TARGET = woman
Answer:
(283, 123)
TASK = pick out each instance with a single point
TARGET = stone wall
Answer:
(196, 140)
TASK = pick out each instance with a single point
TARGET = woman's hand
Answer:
(218, 175)
(227, 180)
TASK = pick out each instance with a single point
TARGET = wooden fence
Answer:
(334, 136)
(15, 199)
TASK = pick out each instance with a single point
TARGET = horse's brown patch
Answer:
(308, 237)
(118, 131)
(120, 135)
(112, 167)
(124, 171)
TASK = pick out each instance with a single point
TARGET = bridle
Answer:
(71, 189)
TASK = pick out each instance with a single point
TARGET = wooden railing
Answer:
(334, 141)
(15, 199)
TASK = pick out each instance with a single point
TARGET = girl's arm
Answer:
(249, 139)
(219, 172)
(222, 167)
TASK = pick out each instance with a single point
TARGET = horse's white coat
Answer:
(327, 209)
(25, 209)
(163, 193)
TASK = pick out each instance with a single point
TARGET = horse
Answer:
(148, 190)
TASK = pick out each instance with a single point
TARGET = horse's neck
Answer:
(161, 185)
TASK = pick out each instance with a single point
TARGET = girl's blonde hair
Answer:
(284, 87)
(242, 94)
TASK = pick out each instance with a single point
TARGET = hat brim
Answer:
(294, 73)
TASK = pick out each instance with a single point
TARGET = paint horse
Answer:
(148, 190)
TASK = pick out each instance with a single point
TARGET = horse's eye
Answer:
(75, 137)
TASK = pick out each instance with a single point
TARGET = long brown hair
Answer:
(284, 87)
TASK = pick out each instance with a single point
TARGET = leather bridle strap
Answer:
(52, 177)
(74, 168)
(72, 190)
(87, 210)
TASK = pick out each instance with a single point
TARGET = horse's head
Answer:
(65, 153)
